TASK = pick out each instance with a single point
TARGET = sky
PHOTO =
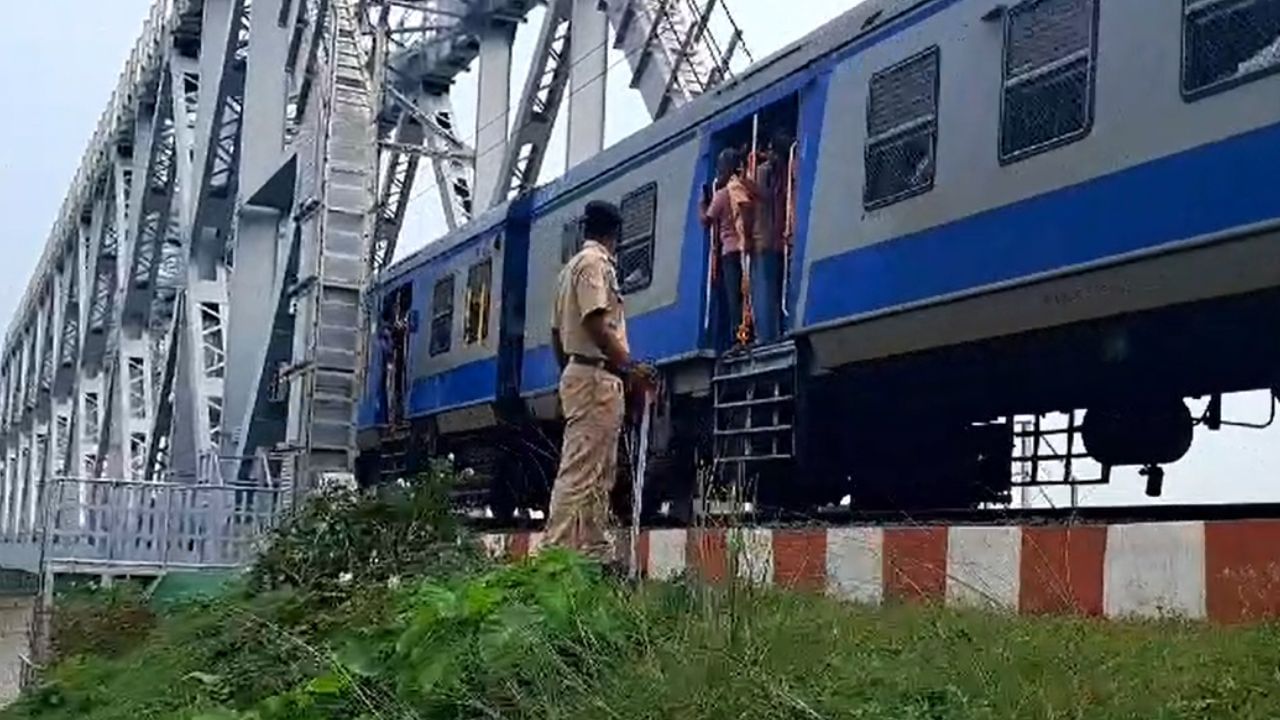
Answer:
(59, 63)
(57, 76)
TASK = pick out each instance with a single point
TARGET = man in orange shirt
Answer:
(730, 215)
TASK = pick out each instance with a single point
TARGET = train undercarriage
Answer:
(943, 429)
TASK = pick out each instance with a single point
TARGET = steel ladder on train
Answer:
(753, 400)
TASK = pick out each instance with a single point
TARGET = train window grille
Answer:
(479, 286)
(1049, 52)
(639, 210)
(441, 316)
(570, 240)
(1228, 42)
(902, 130)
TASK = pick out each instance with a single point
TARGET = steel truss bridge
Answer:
(187, 356)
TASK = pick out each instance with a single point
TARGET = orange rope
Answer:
(748, 319)
(748, 239)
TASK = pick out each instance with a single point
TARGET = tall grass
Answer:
(550, 638)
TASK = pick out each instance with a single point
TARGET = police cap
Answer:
(601, 219)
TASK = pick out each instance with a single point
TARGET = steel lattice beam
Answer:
(198, 313)
(544, 89)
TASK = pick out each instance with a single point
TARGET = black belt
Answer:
(595, 362)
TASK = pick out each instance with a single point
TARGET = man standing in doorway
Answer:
(589, 336)
(729, 215)
(768, 244)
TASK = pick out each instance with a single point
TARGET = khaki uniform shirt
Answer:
(587, 283)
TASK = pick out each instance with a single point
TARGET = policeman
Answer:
(589, 335)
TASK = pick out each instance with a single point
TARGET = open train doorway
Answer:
(748, 210)
(394, 335)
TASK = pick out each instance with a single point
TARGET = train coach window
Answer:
(1226, 42)
(479, 279)
(639, 211)
(902, 130)
(442, 316)
(1048, 75)
(570, 240)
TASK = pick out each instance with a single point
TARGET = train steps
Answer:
(754, 408)
(394, 465)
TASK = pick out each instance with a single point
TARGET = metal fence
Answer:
(129, 527)
(95, 525)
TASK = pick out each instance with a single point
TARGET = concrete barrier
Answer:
(1227, 571)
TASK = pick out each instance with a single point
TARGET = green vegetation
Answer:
(343, 632)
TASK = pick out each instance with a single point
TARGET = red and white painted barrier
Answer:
(1226, 571)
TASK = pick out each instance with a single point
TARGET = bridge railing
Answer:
(131, 526)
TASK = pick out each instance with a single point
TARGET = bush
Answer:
(344, 538)
(492, 644)
(496, 638)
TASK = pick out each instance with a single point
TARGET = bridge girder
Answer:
(197, 313)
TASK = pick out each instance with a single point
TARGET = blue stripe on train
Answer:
(667, 332)
(1201, 191)
(676, 330)
(813, 113)
(482, 381)
(1209, 189)
(1205, 190)
(464, 385)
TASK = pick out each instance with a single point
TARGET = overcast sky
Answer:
(59, 60)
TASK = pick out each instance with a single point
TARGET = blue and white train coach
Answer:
(1002, 208)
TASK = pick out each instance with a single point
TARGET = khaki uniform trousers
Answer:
(592, 399)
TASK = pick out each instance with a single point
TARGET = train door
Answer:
(394, 335)
(749, 213)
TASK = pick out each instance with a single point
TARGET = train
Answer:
(1002, 209)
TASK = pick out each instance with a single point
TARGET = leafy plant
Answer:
(508, 627)
(343, 538)
(478, 644)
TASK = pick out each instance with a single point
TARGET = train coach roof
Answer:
(866, 18)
